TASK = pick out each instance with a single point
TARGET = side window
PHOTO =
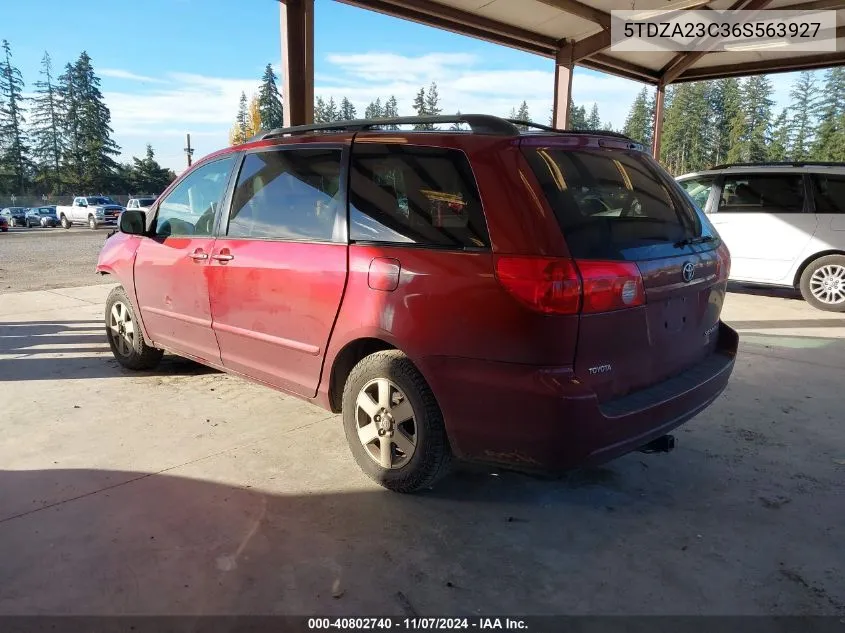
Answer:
(829, 193)
(418, 195)
(698, 189)
(770, 193)
(189, 209)
(288, 194)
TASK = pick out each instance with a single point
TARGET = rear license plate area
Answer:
(675, 315)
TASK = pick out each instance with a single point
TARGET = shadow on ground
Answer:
(49, 350)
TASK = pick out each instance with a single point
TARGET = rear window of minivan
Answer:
(612, 204)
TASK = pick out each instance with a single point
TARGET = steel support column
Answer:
(564, 69)
(297, 31)
(657, 132)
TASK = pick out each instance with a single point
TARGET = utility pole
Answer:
(189, 151)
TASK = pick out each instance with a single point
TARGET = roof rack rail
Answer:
(783, 164)
(547, 128)
(478, 123)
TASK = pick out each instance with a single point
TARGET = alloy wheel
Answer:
(122, 328)
(828, 284)
(386, 423)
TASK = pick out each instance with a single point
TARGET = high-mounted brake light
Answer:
(563, 286)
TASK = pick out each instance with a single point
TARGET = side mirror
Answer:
(133, 222)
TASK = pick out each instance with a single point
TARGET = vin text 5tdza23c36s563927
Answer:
(539, 300)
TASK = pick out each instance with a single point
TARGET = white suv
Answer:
(784, 224)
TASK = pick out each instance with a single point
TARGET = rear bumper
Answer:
(543, 418)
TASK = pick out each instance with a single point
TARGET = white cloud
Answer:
(118, 73)
(205, 106)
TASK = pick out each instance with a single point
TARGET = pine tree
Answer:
(70, 111)
(432, 100)
(685, 144)
(750, 131)
(96, 145)
(332, 113)
(456, 126)
(374, 110)
(255, 125)
(725, 105)
(320, 111)
(804, 109)
(147, 176)
(47, 128)
(391, 109)
(239, 132)
(269, 101)
(829, 141)
(779, 148)
(577, 117)
(420, 109)
(594, 120)
(13, 147)
(639, 123)
(347, 110)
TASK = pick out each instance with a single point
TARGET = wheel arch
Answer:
(349, 356)
(796, 283)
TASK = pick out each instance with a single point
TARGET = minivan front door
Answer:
(278, 269)
(171, 266)
(765, 222)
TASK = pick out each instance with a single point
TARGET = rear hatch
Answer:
(653, 271)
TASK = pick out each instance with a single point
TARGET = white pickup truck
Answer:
(91, 210)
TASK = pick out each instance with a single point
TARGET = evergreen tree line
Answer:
(264, 110)
(733, 120)
(60, 140)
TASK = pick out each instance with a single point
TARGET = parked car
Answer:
(42, 216)
(140, 203)
(15, 216)
(4, 224)
(784, 224)
(92, 211)
(445, 291)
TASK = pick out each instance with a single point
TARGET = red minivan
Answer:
(538, 300)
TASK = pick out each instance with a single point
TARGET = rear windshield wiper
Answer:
(694, 240)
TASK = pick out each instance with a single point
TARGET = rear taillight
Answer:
(563, 286)
(544, 284)
(723, 262)
(610, 286)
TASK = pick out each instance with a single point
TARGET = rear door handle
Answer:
(223, 256)
(198, 254)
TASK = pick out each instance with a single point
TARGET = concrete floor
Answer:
(188, 491)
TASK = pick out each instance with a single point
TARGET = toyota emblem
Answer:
(688, 271)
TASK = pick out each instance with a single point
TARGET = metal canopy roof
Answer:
(578, 31)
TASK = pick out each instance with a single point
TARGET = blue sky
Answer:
(174, 66)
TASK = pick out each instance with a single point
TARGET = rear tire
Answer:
(823, 283)
(13, 223)
(65, 222)
(124, 334)
(393, 424)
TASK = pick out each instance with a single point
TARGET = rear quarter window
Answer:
(613, 204)
(414, 195)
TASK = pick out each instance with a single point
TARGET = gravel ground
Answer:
(42, 259)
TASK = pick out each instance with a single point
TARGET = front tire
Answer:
(13, 222)
(393, 423)
(823, 283)
(65, 222)
(92, 223)
(124, 334)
